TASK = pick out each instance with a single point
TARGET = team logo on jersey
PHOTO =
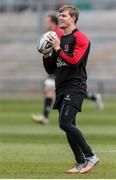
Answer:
(67, 97)
(66, 47)
(61, 63)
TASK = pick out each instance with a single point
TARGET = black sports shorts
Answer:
(73, 98)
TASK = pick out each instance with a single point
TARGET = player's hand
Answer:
(55, 42)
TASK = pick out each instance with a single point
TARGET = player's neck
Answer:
(69, 30)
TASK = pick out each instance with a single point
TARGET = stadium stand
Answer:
(21, 70)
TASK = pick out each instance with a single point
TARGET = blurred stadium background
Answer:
(28, 150)
(21, 24)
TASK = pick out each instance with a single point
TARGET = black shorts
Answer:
(72, 98)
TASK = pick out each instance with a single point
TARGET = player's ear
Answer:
(74, 18)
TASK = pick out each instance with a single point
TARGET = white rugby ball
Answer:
(43, 46)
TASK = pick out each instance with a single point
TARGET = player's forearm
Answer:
(68, 57)
(71, 58)
(82, 46)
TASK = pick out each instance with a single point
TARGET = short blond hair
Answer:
(73, 12)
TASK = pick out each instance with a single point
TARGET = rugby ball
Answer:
(43, 46)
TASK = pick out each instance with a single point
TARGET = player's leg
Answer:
(67, 115)
(77, 140)
(49, 87)
(78, 153)
(49, 96)
(96, 97)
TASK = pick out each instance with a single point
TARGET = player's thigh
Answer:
(67, 115)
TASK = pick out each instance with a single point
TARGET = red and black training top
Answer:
(69, 62)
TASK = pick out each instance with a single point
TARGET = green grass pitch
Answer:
(30, 150)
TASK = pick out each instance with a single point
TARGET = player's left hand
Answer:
(55, 42)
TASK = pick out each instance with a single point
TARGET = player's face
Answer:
(65, 19)
(48, 24)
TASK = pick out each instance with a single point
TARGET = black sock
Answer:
(47, 106)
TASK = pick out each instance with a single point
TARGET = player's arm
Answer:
(81, 46)
(49, 63)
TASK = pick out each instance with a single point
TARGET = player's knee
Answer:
(64, 125)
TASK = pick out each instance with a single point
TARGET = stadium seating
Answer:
(21, 70)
